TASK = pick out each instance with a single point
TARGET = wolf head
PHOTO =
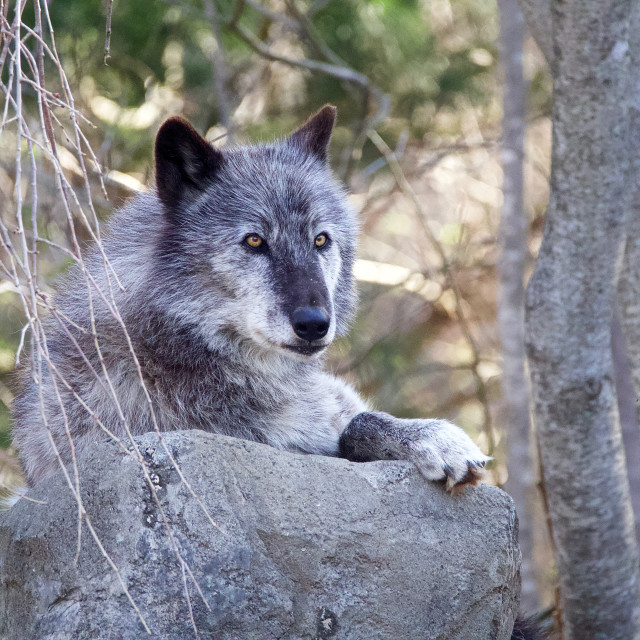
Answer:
(259, 241)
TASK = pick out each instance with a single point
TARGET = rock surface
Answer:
(305, 547)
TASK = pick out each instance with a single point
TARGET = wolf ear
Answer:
(313, 136)
(184, 161)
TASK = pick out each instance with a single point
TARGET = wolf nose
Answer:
(310, 323)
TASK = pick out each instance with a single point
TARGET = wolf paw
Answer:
(442, 451)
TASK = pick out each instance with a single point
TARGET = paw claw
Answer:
(479, 464)
(471, 477)
(448, 471)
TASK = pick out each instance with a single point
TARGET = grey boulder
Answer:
(268, 545)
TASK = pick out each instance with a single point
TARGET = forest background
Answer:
(420, 143)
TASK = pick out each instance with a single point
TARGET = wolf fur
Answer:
(228, 337)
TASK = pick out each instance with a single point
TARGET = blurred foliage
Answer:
(425, 55)
(437, 62)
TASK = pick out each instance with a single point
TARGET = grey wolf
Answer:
(235, 275)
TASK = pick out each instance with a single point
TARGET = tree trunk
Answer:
(627, 411)
(513, 240)
(629, 283)
(569, 312)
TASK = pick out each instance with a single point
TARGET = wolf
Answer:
(210, 306)
(234, 275)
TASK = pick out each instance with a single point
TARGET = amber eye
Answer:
(320, 240)
(254, 240)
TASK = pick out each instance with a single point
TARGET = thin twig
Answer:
(220, 72)
(107, 38)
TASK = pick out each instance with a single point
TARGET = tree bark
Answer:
(627, 411)
(570, 300)
(629, 283)
(513, 240)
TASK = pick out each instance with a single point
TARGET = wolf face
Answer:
(265, 231)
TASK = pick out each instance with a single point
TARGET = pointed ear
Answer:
(313, 136)
(185, 161)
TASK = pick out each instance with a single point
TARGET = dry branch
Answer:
(513, 258)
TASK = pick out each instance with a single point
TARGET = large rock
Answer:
(304, 547)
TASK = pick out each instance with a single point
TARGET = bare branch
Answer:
(342, 73)
(107, 39)
(220, 73)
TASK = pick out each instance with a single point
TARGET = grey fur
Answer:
(209, 318)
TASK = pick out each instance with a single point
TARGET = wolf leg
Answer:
(439, 449)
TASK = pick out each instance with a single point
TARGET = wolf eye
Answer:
(321, 240)
(254, 240)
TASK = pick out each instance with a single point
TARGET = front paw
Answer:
(442, 451)
(439, 449)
